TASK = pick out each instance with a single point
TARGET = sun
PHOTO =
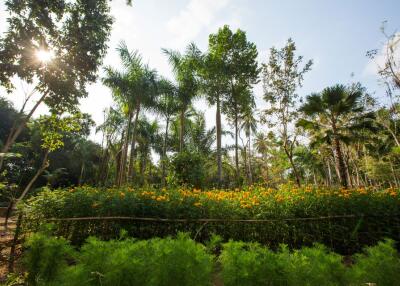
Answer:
(44, 56)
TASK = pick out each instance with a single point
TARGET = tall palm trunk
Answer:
(118, 160)
(164, 157)
(81, 173)
(236, 147)
(182, 129)
(124, 155)
(249, 160)
(219, 135)
(339, 156)
(131, 169)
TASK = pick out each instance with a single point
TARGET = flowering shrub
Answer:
(342, 219)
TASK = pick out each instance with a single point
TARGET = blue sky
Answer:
(335, 34)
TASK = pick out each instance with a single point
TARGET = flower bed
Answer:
(345, 220)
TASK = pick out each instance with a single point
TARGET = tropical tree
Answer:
(167, 106)
(113, 136)
(334, 112)
(185, 68)
(214, 84)
(148, 139)
(44, 46)
(282, 75)
(134, 89)
(236, 57)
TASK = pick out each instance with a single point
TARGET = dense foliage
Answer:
(343, 219)
(154, 262)
(181, 261)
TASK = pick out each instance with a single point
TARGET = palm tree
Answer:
(147, 140)
(145, 99)
(111, 129)
(167, 106)
(124, 87)
(332, 113)
(134, 89)
(249, 125)
(184, 68)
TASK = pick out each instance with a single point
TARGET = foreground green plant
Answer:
(181, 261)
(379, 264)
(152, 262)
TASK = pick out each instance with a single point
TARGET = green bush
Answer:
(155, 262)
(378, 264)
(250, 265)
(45, 258)
(313, 266)
(180, 261)
(189, 168)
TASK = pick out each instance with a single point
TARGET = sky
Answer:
(335, 34)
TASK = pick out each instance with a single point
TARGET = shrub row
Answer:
(181, 261)
(299, 217)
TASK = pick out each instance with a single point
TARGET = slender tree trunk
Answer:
(329, 173)
(103, 165)
(266, 167)
(182, 129)
(118, 159)
(245, 161)
(236, 148)
(249, 161)
(124, 155)
(43, 167)
(314, 177)
(81, 173)
(347, 167)
(340, 160)
(219, 137)
(14, 244)
(164, 157)
(16, 130)
(131, 169)
(393, 174)
(296, 173)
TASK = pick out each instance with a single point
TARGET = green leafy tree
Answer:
(282, 75)
(335, 111)
(56, 45)
(214, 84)
(236, 57)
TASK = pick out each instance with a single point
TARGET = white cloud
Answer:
(197, 15)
